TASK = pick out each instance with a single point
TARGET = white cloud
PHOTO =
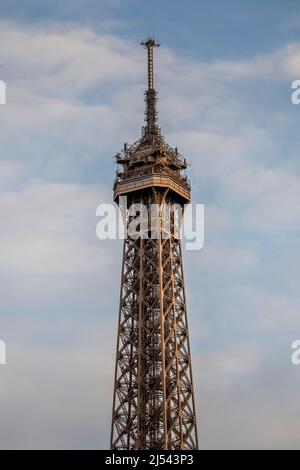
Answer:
(55, 397)
(218, 258)
(51, 228)
(249, 308)
(64, 61)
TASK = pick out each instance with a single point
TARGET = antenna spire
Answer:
(151, 128)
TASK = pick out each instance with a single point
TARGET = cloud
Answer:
(50, 257)
(46, 228)
(261, 411)
(65, 61)
(53, 396)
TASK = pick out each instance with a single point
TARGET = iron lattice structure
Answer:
(153, 404)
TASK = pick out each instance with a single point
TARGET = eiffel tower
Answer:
(153, 400)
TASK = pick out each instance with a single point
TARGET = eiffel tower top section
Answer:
(150, 155)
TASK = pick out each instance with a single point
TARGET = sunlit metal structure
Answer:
(153, 402)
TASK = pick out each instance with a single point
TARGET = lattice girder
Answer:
(153, 396)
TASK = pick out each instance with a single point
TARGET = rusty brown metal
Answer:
(153, 402)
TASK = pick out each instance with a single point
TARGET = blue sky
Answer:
(75, 76)
(184, 26)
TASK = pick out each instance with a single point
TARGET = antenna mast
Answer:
(151, 129)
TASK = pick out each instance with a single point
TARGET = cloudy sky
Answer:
(75, 76)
